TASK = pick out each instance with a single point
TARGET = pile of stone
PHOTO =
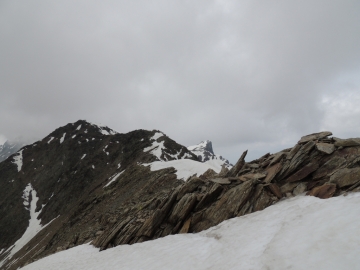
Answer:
(317, 165)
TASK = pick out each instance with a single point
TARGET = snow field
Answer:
(299, 233)
(184, 167)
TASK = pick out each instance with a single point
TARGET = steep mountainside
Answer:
(76, 180)
(87, 183)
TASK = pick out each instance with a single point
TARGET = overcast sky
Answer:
(250, 74)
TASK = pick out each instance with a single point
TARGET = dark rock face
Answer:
(140, 204)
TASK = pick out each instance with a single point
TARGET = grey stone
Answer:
(346, 142)
(314, 136)
(222, 181)
(300, 188)
(326, 148)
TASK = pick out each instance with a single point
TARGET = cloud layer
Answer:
(246, 75)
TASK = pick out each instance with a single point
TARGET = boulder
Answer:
(326, 148)
(300, 188)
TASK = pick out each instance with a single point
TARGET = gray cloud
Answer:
(247, 75)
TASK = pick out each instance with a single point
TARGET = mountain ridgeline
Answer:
(86, 183)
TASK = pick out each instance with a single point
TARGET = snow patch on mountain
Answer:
(34, 223)
(185, 168)
(156, 148)
(104, 130)
(205, 153)
(62, 138)
(114, 178)
(18, 160)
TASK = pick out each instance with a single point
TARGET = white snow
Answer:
(113, 178)
(119, 165)
(157, 135)
(62, 138)
(199, 146)
(156, 149)
(34, 223)
(78, 128)
(18, 160)
(184, 167)
(50, 140)
(300, 233)
(93, 166)
(73, 136)
(83, 156)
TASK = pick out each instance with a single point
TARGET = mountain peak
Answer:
(204, 151)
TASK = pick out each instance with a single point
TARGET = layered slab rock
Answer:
(314, 136)
(346, 142)
(346, 177)
(326, 148)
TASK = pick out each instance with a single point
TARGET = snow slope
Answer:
(34, 223)
(184, 167)
(299, 233)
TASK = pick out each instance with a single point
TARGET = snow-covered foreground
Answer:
(298, 233)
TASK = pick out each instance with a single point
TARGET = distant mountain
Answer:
(205, 153)
(9, 148)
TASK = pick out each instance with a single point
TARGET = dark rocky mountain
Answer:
(9, 148)
(79, 185)
(204, 151)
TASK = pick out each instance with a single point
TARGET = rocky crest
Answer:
(109, 198)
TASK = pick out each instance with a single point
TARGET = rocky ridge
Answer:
(142, 204)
